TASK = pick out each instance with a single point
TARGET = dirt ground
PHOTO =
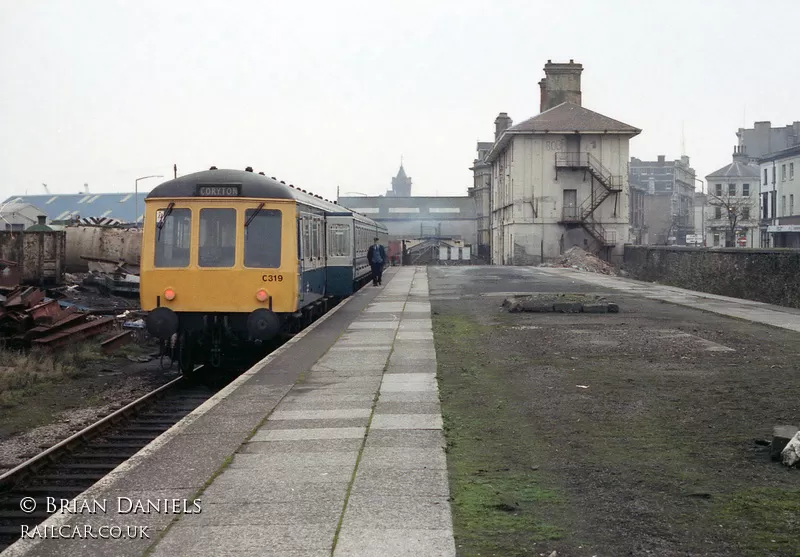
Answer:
(611, 434)
(87, 386)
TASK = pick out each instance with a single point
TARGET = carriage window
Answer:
(174, 238)
(217, 238)
(338, 240)
(262, 239)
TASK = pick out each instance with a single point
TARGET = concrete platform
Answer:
(333, 445)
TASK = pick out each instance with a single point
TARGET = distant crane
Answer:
(46, 190)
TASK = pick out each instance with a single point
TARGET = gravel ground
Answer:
(611, 434)
(71, 405)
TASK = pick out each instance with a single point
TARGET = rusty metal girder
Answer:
(116, 341)
(71, 334)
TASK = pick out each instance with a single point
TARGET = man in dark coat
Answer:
(376, 256)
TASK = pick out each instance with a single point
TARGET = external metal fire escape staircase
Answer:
(583, 215)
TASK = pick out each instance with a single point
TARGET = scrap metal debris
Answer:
(30, 316)
(577, 258)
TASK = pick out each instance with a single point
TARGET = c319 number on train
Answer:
(272, 278)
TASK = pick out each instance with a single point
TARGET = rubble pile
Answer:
(31, 317)
(577, 258)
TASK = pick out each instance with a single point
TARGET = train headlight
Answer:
(169, 294)
(262, 295)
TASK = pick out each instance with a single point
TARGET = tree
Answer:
(733, 208)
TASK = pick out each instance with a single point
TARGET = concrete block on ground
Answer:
(567, 307)
(595, 308)
(790, 455)
(536, 307)
(781, 435)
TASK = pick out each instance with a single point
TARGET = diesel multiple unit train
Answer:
(232, 257)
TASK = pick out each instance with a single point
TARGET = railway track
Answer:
(70, 467)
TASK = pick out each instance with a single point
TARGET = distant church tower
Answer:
(401, 184)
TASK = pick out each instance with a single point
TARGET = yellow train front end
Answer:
(219, 262)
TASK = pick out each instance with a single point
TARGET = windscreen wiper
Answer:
(254, 215)
(161, 224)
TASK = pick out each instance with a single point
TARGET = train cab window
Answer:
(217, 238)
(262, 239)
(173, 238)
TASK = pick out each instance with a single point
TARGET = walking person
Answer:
(376, 256)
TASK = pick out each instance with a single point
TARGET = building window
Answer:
(783, 173)
(731, 190)
(717, 212)
(764, 205)
(719, 190)
(774, 170)
(791, 205)
(745, 190)
(791, 171)
(745, 213)
(765, 177)
(783, 205)
(716, 238)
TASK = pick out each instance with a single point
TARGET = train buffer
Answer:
(333, 442)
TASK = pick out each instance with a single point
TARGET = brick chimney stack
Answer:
(562, 83)
(501, 124)
(740, 154)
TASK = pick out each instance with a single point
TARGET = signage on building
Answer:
(743, 241)
(784, 228)
(694, 239)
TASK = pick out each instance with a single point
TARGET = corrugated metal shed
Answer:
(120, 206)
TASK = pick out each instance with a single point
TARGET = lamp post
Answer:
(136, 194)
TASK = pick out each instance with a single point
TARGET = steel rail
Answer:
(8, 479)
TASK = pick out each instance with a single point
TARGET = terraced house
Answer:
(559, 179)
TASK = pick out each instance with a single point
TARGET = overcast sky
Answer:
(323, 93)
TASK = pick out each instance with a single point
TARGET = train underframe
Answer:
(212, 340)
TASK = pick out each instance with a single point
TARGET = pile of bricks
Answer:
(28, 319)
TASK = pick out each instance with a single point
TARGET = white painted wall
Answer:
(528, 194)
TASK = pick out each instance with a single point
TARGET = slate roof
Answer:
(565, 118)
(120, 206)
(736, 170)
(570, 118)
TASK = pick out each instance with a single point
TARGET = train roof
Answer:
(250, 185)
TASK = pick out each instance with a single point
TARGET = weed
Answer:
(769, 516)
